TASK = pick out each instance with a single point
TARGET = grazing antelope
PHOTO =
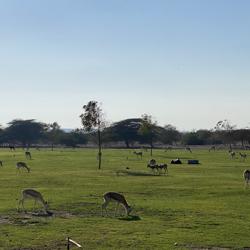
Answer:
(188, 149)
(1, 163)
(212, 148)
(116, 197)
(28, 155)
(233, 154)
(243, 156)
(33, 195)
(21, 164)
(246, 176)
(138, 154)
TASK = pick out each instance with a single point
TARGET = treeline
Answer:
(127, 133)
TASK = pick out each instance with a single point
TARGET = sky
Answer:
(185, 62)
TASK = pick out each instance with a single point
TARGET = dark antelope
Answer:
(28, 155)
(138, 153)
(243, 156)
(246, 176)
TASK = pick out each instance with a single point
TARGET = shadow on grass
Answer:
(130, 218)
(136, 173)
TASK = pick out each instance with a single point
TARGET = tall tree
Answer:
(54, 133)
(170, 134)
(93, 121)
(25, 131)
(125, 130)
(148, 130)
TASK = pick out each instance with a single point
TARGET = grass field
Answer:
(194, 207)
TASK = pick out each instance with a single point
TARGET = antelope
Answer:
(246, 176)
(232, 154)
(116, 197)
(188, 149)
(28, 155)
(163, 166)
(138, 154)
(243, 156)
(152, 165)
(21, 164)
(1, 163)
(12, 148)
(33, 195)
(212, 148)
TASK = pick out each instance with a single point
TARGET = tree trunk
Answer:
(151, 148)
(99, 149)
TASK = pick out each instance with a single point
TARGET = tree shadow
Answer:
(130, 218)
(136, 173)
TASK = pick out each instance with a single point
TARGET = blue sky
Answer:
(185, 62)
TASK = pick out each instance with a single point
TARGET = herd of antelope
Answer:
(109, 196)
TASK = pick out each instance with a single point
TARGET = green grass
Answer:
(197, 206)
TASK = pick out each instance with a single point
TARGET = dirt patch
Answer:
(192, 247)
(55, 246)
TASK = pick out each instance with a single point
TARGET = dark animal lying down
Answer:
(176, 161)
(193, 162)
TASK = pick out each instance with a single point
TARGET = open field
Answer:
(197, 206)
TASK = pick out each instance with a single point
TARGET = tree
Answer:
(242, 135)
(92, 121)
(225, 130)
(148, 130)
(169, 135)
(25, 131)
(125, 130)
(54, 133)
(73, 138)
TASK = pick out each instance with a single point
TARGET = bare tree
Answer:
(92, 120)
(225, 129)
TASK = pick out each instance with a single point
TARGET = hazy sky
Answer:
(187, 63)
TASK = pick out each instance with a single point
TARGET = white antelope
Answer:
(28, 155)
(21, 164)
(138, 154)
(115, 197)
(246, 176)
(32, 195)
(243, 156)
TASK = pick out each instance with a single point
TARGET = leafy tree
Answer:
(191, 138)
(92, 120)
(242, 135)
(148, 130)
(54, 134)
(170, 134)
(125, 130)
(25, 131)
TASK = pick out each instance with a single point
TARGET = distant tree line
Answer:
(128, 132)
